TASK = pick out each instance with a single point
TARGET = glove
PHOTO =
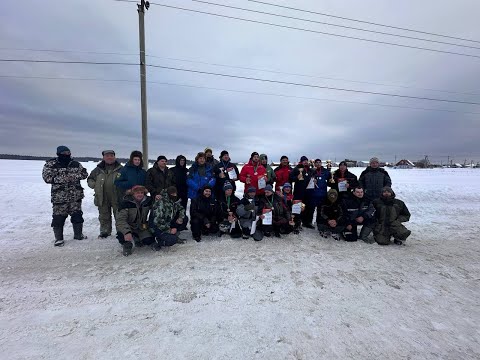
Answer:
(296, 231)
(249, 207)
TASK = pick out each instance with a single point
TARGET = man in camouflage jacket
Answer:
(65, 174)
(168, 218)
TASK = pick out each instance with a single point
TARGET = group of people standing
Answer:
(150, 206)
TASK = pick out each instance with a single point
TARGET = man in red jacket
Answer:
(282, 172)
(254, 174)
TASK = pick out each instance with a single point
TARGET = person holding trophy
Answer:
(301, 177)
(253, 174)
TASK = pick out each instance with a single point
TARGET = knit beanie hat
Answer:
(161, 157)
(303, 158)
(62, 148)
(227, 186)
(224, 152)
(269, 188)
(251, 189)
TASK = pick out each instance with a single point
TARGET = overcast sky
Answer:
(37, 115)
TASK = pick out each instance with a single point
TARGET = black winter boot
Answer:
(77, 231)
(127, 248)
(58, 232)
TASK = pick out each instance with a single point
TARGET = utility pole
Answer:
(143, 78)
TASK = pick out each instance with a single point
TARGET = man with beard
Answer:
(102, 180)
(254, 175)
(225, 171)
(203, 214)
(65, 174)
(209, 159)
(132, 220)
(281, 217)
(159, 177)
(227, 212)
(390, 213)
(373, 179)
(199, 175)
(168, 219)
(330, 218)
(247, 212)
(344, 180)
(358, 211)
(180, 173)
(300, 177)
(282, 173)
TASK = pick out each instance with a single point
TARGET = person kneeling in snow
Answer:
(359, 211)
(168, 219)
(247, 212)
(227, 212)
(281, 217)
(203, 212)
(287, 199)
(132, 220)
(330, 217)
(390, 213)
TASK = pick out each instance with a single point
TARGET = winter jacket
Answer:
(253, 172)
(196, 182)
(319, 192)
(164, 211)
(180, 174)
(204, 209)
(211, 161)
(354, 207)
(275, 203)
(330, 211)
(102, 180)
(373, 180)
(224, 205)
(282, 175)
(65, 180)
(158, 180)
(219, 182)
(248, 209)
(390, 213)
(133, 216)
(271, 177)
(129, 176)
(300, 186)
(351, 179)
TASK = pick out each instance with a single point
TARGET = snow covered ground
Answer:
(290, 298)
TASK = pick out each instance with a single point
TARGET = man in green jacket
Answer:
(271, 177)
(102, 180)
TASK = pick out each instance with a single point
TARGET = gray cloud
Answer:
(37, 115)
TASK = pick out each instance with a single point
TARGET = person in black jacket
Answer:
(247, 211)
(390, 213)
(180, 172)
(203, 214)
(330, 218)
(159, 178)
(227, 212)
(373, 179)
(222, 172)
(358, 211)
(344, 180)
(300, 177)
(282, 222)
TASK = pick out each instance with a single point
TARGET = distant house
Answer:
(363, 163)
(404, 164)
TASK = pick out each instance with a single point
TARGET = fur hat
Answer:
(332, 195)
(374, 159)
(138, 188)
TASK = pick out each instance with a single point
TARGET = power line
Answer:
(363, 21)
(335, 25)
(311, 86)
(243, 78)
(67, 62)
(312, 31)
(239, 91)
(244, 68)
(310, 75)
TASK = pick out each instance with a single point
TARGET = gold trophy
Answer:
(301, 173)
(332, 180)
